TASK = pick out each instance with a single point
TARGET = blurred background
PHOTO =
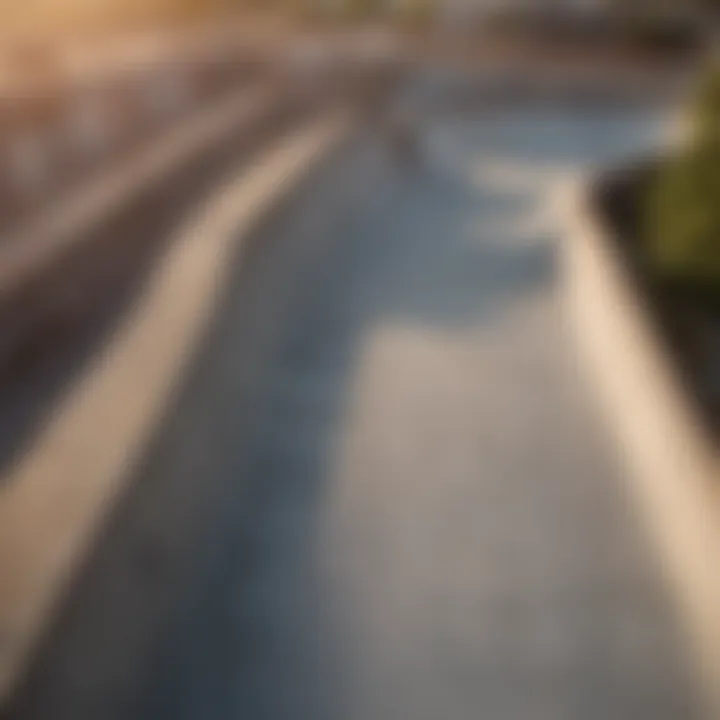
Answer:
(306, 309)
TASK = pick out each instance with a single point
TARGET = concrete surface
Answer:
(668, 450)
(61, 492)
(385, 493)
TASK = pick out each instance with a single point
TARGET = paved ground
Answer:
(385, 493)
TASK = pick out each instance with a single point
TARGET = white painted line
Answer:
(55, 501)
(60, 227)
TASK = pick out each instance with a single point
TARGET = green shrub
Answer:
(683, 227)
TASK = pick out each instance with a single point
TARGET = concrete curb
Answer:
(54, 232)
(58, 497)
(671, 461)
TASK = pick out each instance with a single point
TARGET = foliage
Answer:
(683, 227)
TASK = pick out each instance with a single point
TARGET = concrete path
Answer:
(409, 509)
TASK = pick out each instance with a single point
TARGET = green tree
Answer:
(683, 228)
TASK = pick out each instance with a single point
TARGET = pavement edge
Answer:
(671, 462)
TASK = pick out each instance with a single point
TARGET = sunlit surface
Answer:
(386, 493)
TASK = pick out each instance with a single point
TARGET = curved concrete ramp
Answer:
(385, 494)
